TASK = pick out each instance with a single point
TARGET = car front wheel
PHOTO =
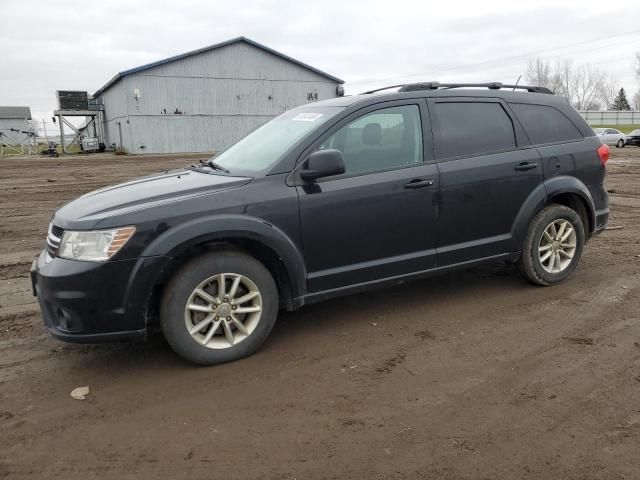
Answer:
(219, 307)
(553, 245)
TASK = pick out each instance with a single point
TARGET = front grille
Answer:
(54, 236)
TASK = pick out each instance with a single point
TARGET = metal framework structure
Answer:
(14, 142)
(62, 121)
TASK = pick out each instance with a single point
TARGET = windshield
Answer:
(635, 132)
(598, 131)
(261, 149)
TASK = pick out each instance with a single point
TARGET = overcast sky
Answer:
(50, 45)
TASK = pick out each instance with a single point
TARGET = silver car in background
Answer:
(611, 136)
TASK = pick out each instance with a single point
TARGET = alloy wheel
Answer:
(223, 310)
(557, 246)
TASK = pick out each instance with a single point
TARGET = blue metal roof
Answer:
(142, 68)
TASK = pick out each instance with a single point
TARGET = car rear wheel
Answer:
(620, 143)
(553, 245)
(219, 307)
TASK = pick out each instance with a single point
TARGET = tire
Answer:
(532, 263)
(205, 274)
(620, 144)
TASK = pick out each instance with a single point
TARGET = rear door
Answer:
(486, 173)
(377, 220)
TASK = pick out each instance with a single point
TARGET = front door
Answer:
(378, 219)
(487, 171)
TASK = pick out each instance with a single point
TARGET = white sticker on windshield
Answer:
(307, 117)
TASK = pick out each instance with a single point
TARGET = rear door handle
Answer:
(419, 183)
(526, 166)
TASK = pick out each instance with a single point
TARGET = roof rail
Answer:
(414, 87)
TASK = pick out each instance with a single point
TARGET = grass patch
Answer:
(622, 128)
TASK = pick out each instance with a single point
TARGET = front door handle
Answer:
(419, 183)
(526, 166)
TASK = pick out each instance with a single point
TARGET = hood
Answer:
(146, 192)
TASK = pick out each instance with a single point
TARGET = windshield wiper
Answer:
(215, 166)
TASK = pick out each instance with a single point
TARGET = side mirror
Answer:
(323, 163)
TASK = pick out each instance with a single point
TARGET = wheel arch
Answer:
(564, 190)
(255, 237)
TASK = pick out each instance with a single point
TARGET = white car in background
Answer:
(611, 136)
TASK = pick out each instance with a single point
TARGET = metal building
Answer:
(14, 123)
(206, 99)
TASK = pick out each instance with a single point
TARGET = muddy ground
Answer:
(473, 375)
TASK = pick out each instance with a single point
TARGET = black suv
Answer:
(327, 199)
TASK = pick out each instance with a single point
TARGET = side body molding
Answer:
(538, 198)
(220, 227)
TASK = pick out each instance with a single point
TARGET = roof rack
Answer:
(414, 87)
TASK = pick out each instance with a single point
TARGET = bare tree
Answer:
(607, 93)
(583, 85)
(638, 65)
(635, 101)
(538, 73)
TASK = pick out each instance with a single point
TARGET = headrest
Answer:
(372, 134)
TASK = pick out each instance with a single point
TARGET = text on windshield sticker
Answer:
(307, 117)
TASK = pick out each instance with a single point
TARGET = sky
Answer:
(50, 45)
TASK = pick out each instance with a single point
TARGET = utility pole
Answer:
(44, 126)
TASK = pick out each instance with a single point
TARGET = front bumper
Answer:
(633, 141)
(91, 302)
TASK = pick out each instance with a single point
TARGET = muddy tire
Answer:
(553, 245)
(219, 307)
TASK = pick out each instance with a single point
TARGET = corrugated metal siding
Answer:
(6, 124)
(623, 117)
(204, 96)
(115, 110)
(239, 60)
(222, 94)
(189, 134)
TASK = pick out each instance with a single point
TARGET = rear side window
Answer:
(545, 124)
(472, 128)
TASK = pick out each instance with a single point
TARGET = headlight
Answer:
(94, 246)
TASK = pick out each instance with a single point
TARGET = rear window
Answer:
(472, 128)
(545, 124)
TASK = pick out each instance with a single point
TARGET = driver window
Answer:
(381, 140)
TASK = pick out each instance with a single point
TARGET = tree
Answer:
(608, 93)
(583, 85)
(635, 103)
(621, 102)
(538, 73)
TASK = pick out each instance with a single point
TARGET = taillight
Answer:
(603, 153)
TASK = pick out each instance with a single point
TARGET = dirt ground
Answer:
(472, 375)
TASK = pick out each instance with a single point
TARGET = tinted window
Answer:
(470, 128)
(545, 124)
(610, 131)
(380, 140)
